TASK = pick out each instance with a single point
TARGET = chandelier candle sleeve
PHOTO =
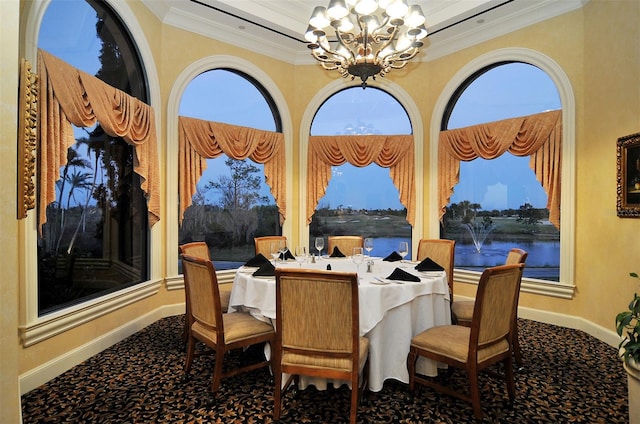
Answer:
(371, 36)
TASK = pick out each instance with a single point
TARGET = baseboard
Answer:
(49, 370)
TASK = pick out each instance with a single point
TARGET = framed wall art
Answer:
(628, 181)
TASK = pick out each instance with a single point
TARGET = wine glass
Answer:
(357, 256)
(300, 254)
(368, 245)
(275, 252)
(403, 249)
(319, 245)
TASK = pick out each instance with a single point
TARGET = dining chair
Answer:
(317, 332)
(220, 331)
(344, 243)
(463, 309)
(441, 251)
(475, 348)
(263, 244)
(199, 249)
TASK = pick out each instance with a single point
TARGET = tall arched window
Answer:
(96, 238)
(498, 203)
(361, 200)
(232, 204)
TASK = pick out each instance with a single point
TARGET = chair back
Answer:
(203, 292)
(263, 244)
(317, 314)
(198, 249)
(495, 303)
(442, 251)
(344, 243)
(516, 256)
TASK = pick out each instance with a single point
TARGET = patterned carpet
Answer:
(569, 377)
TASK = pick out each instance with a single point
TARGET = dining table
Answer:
(391, 311)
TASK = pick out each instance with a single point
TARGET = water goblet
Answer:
(319, 245)
(403, 249)
(368, 245)
(275, 252)
(300, 254)
(357, 256)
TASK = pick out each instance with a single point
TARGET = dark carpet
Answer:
(568, 377)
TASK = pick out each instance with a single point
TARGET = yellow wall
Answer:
(596, 46)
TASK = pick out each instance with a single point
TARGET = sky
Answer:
(504, 92)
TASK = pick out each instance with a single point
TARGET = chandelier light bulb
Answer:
(397, 9)
(337, 9)
(319, 18)
(366, 7)
(414, 17)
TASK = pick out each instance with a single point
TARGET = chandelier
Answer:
(373, 36)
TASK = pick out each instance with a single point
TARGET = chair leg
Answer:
(516, 344)
(277, 394)
(508, 375)
(191, 343)
(353, 412)
(411, 367)
(475, 393)
(217, 370)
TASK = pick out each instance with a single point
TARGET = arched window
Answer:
(232, 204)
(498, 202)
(96, 238)
(361, 200)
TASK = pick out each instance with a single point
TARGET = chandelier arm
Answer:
(387, 41)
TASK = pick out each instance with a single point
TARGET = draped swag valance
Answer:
(70, 96)
(538, 136)
(395, 152)
(199, 140)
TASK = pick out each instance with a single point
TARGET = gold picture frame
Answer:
(27, 138)
(628, 167)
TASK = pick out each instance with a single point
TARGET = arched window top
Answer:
(96, 41)
(501, 91)
(354, 111)
(230, 96)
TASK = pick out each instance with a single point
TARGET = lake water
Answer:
(543, 260)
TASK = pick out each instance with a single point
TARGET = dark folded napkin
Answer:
(429, 265)
(265, 270)
(257, 261)
(337, 253)
(393, 257)
(399, 274)
(286, 255)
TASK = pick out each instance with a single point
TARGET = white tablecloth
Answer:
(390, 314)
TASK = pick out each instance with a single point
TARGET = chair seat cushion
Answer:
(452, 341)
(237, 326)
(463, 309)
(325, 362)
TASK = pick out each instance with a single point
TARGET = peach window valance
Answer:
(538, 136)
(395, 152)
(199, 140)
(69, 96)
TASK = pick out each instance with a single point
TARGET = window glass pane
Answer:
(95, 240)
(233, 204)
(498, 204)
(361, 201)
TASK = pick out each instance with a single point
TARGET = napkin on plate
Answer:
(337, 253)
(429, 265)
(393, 257)
(399, 274)
(286, 255)
(265, 270)
(257, 261)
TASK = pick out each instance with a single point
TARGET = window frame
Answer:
(174, 280)
(34, 328)
(565, 288)
(415, 120)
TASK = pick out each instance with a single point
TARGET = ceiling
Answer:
(276, 27)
